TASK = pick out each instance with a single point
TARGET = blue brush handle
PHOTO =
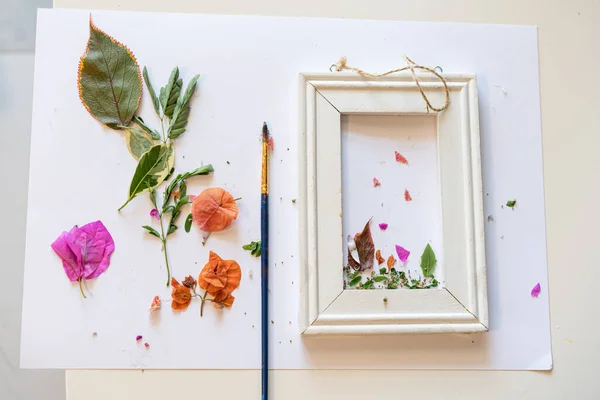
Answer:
(264, 291)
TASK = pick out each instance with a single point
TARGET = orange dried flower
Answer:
(181, 295)
(407, 195)
(380, 260)
(219, 278)
(189, 282)
(214, 209)
(391, 261)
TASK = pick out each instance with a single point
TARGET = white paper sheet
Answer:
(249, 69)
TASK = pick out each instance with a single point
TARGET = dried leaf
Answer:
(214, 210)
(391, 261)
(109, 80)
(407, 195)
(402, 253)
(156, 303)
(400, 158)
(428, 261)
(535, 292)
(511, 203)
(181, 295)
(380, 260)
(365, 249)
(376, 182)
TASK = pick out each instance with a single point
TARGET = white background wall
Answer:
(569, 59)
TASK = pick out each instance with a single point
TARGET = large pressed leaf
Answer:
(109, 80)
(152, 169)
(428, 261)
(138, 141)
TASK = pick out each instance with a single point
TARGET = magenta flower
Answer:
(535, 292)
(154, 214)
(383, 226)
(85, 252)
(138, 337)
(402, 253)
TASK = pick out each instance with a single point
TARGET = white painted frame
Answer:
(460, 304)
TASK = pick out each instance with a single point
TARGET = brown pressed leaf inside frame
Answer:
(365, 249)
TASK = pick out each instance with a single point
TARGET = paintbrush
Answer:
(264, 260)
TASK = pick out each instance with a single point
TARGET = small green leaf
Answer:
(392, 286)
(169, 209)
(183, 190)
(172, 101)
(382, 271)
(138, 142)
(511, 203)
(151, 91)
(380, 278)
(151, 231)
(153, 198)
(253, 247)
(152, 132)
(368, 284)
(153, 167)
(188, 223)
(172, 228)
(355, 281)
(182, 110)
(204, 170)
(428, 261)
(166, 91)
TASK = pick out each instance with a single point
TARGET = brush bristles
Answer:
(265, 132)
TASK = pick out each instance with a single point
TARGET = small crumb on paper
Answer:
(504, 92)
(95, 334)
(376, 182)
(535, 292)
(294, 201)
(490, 218)
(511, 204)
(400, 158)
(407, 195)
(146, 345)
(138, 338)
(250, 274)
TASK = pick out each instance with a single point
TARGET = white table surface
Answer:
(568, 32)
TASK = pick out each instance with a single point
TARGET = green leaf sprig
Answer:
(253, 248)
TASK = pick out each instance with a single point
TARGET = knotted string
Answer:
(412, 66)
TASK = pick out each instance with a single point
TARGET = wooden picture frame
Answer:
(460, 303)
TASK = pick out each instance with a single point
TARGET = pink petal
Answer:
(154, 214)
(407, 195)
(138, 337)
(400, 158)
(191, 197)
(376, 182)
(99, 246)
(383, 226)
(71, 260)
(536, 290)
(402, 253)
(271, 144)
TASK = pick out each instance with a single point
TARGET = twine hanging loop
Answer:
(342, 65)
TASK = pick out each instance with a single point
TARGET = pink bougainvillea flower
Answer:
(85, 252)
(535, 292)
(376, 182)
(383, 226)
(402, 253)
(400, 158)
(407, 195)
(156, 303)
(154, 214)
